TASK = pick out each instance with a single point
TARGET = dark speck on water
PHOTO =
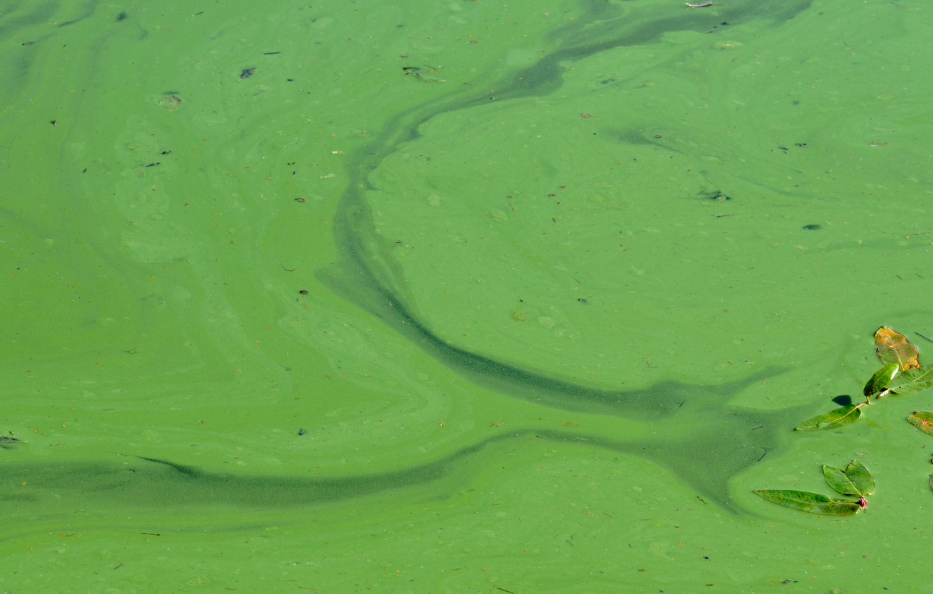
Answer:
(247, 72)
(6, 442)
(812, 227)
(301, 432)
(717, 196)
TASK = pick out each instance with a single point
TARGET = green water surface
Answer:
(461, 296)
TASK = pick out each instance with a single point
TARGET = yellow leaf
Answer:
(893, 347)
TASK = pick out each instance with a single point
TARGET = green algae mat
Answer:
(460, 296)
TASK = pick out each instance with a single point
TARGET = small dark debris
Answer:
(166, 152)
(85, 170)
(923, 337)
(300, 199)
(812, 227)
(28, 42)
(303, 292)
(582, 300)
(657, 136)
(783, 148)
(270, 53)
(404, 56)
(247, 72)
(54, 122)
(154, 164)
(122, 16)
(801, 144)
(301, 432)
(716, 196)
(4, 440)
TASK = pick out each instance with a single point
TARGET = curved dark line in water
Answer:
(706, 463)
(149, 482)
(365, 281)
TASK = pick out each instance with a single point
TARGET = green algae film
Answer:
(539, 348)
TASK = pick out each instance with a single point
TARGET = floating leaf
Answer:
(912, 380)
(838, 480)
(893, 347)
(854, 480)
(831, 420)
(809, 502)
(922, 420)
(881, 379)
(861, 478)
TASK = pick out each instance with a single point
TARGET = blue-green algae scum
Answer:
(460, 296)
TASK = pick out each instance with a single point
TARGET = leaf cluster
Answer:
(901, 374)
(854, 480)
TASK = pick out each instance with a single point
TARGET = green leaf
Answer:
(881, 379)
(838, 480)
(860, 477)
(922, 420)
(809, 502)
(831, 420)
(912, 380)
